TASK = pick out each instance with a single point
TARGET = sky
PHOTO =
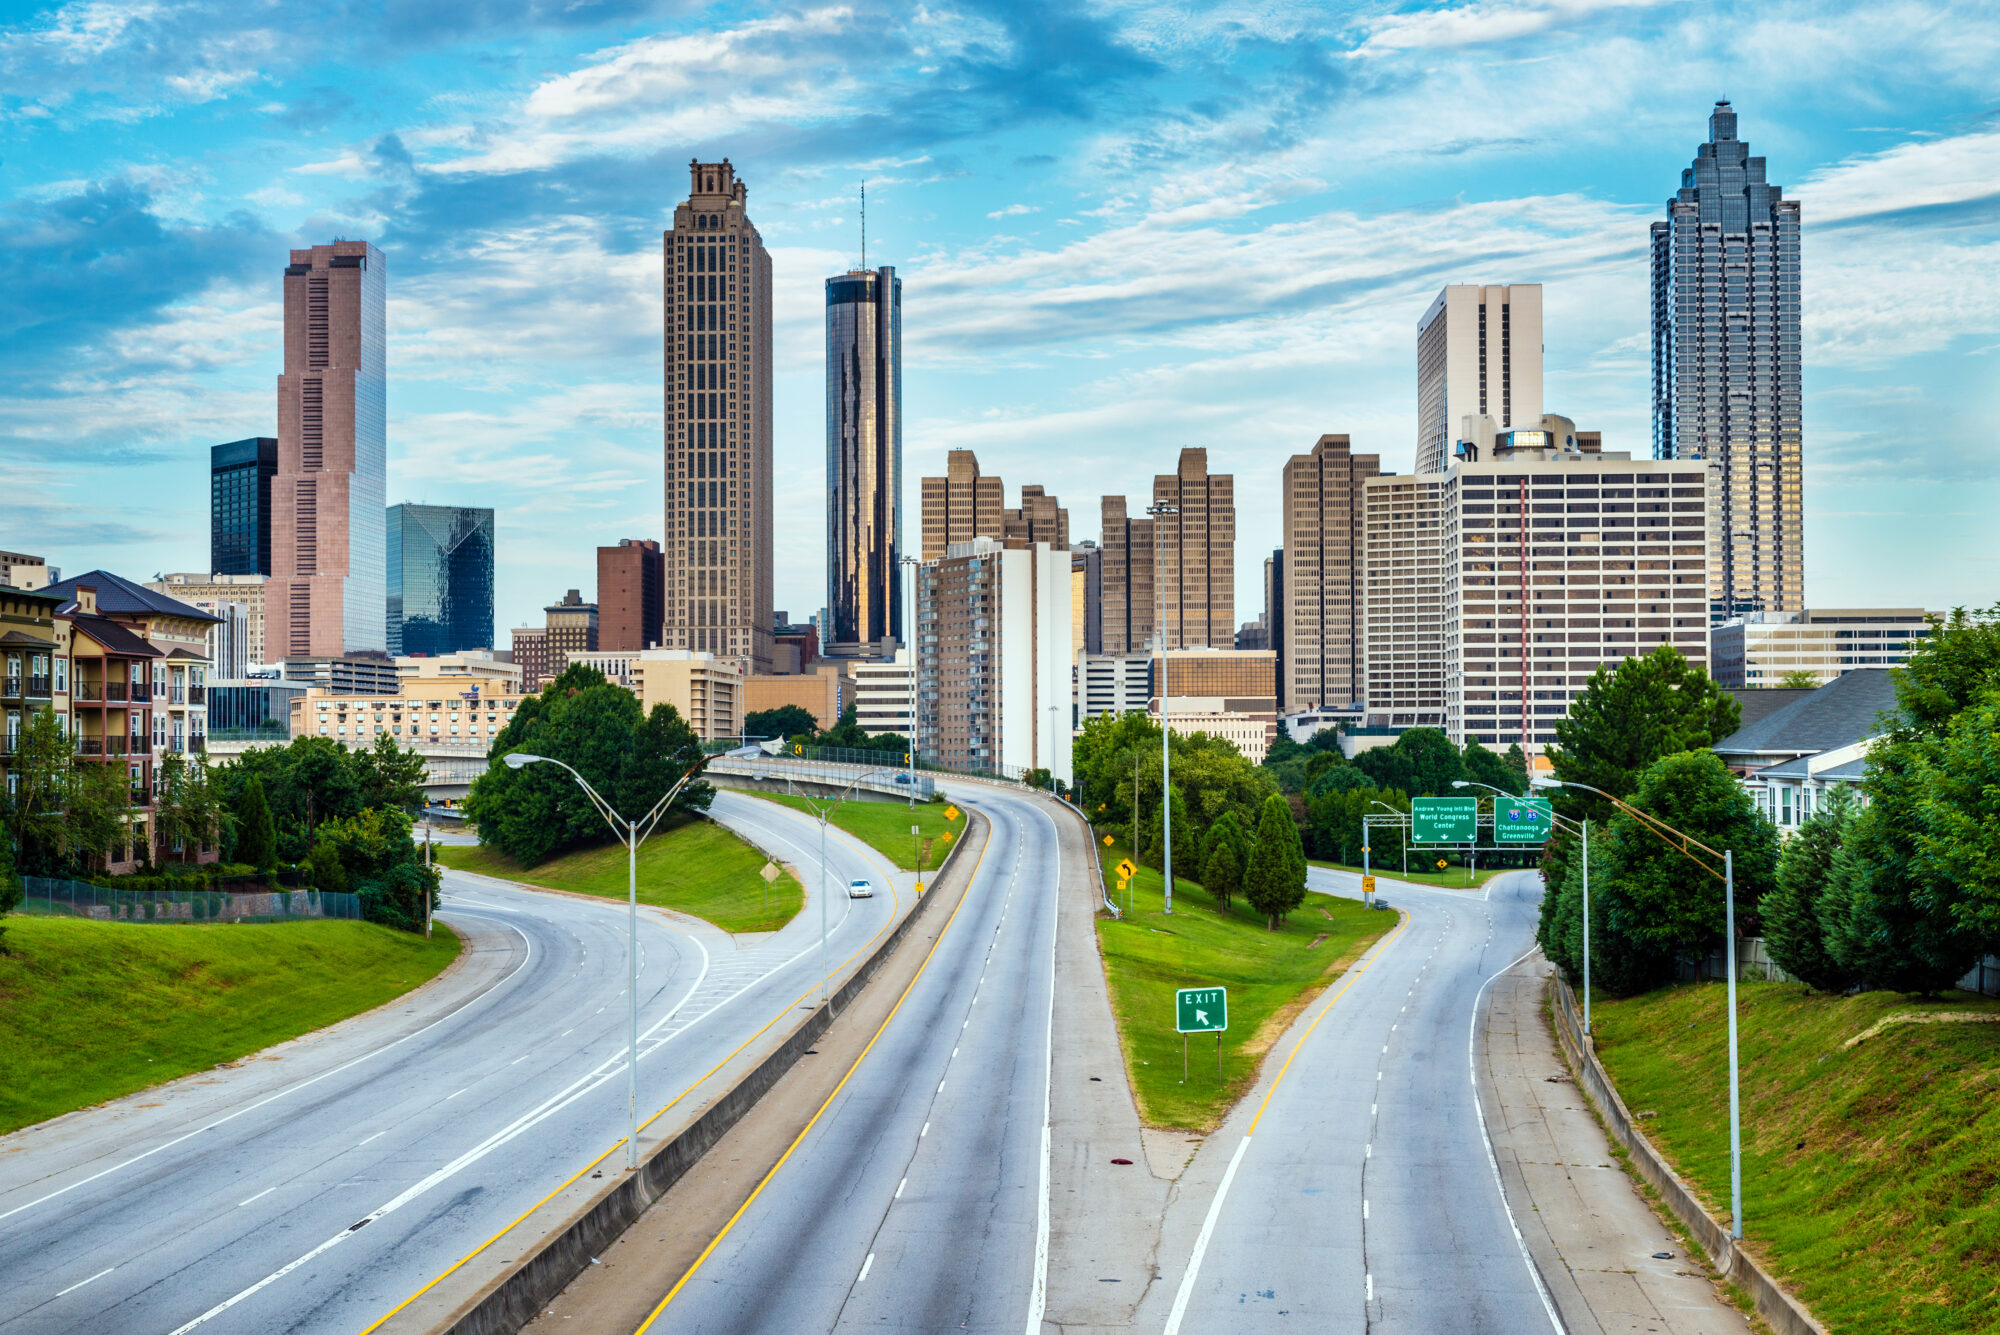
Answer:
(1123, 228)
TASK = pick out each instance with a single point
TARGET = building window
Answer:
(62, 676)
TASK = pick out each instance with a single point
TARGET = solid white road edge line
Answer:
(1038, 1297)
(1186, 1289)
(1492, 1160)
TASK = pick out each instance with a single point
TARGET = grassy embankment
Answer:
(1271, 976)
(885, 827)
(91, 1011)
(690, 864)
(1871, 1173)
(1423, 871)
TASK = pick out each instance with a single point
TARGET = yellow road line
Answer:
(799, 1139)
(1380, 949)
(897, 897)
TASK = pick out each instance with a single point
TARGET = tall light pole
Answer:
(910, 756)
(823, 810)
(1584, 827)
(1160, 511)
(1667, 834)
(631, 836)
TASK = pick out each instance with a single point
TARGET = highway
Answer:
(1362, 1196)
(918, 1198)
(318, 1187)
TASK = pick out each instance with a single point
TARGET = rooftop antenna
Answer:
(864, 225)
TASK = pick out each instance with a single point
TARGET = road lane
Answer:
(320, 1203)
(916, 1200)
(1366, 1201)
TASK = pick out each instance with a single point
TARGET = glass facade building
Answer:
(1726, 366)
(440, 560)
(239, 505)
(251, 710)
(864, 456)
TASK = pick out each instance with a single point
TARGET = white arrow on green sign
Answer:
(1201, 1010)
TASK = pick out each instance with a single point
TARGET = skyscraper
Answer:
(962, 505)
(631, 580)
(1479, 351)
(1129, 608)
(239, 505)
(1199, 553)
(440, 563)
(327, 594)
(718, 401)
(1726, 366)
(864, 456)
(1320, 632)
(1039, 518)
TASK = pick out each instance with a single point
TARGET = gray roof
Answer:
(1851, 772)
(1840, 713)
(1758, 705)
(118, 596)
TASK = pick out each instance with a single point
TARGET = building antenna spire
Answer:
(864, 224)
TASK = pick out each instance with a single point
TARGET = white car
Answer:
(860, 889)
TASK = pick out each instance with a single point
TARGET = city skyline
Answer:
(1088, 286)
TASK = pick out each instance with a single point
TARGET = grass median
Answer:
(885, 827)
(1270, 977)
(91, 1011)
(690, 864)
(1423, 871)
(1869, 1171)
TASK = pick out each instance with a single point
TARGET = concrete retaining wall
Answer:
(513, 1300)
(1786, 1314)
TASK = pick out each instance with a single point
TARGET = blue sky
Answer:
(1123, 228)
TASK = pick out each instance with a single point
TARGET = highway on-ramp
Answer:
(317, 1186)
(917, 1200)
(1362, 1196)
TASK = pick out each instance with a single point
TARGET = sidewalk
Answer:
(1593, 1236)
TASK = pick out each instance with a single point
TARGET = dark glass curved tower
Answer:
(1726, 366)
(864, 457)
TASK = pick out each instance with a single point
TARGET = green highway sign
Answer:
(1521, 820)
(1201, 1010)
(1444, 820)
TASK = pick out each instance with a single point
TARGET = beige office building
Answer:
(705, 689)
(1039, 518)
(962, 505)
(820, 691)
(718, 593)
(208, 592)
(1321, 591)
(1403, 600)
(1128, 603)
(1557, 562)
(1198, 550)
(1479, 352)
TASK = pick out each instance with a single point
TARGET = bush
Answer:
(1793, 930)
(1275, 880)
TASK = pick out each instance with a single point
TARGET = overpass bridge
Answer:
(782, 774)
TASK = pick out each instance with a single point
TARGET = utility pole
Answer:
(1160, 511)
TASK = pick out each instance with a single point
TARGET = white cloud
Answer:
(1477, 24)
(1015, 211)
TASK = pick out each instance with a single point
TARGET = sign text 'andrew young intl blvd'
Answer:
(1444, 820)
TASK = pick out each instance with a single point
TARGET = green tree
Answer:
(1956, 830)
(784, 721)
(1793, 930)
(1657, 907)
(535, 812)
(1517, 765)
(1799, 679)
(1186, 832)
(96, 803)
(11, 893)
(1631, 715)
(44, 766)
(388, 775)
(256, 832)
(1226, 852)
(373, 857)
(1274, 881)
(1483, 766)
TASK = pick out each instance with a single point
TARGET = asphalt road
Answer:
(315, 1194)
(918, 1199)
(1365, 1199)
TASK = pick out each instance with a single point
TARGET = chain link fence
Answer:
(81, 899)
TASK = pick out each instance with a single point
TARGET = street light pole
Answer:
(1161, 511)
(910, 719)
(1667, 834)
(632, 838)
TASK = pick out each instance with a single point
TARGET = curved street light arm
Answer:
(653, 817)
(1658, 828)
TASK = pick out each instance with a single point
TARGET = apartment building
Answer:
(1321, 624)
(884, 695)
(1402, 595)
(1113, 684)
(30, 669)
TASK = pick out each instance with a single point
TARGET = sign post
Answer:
(770, 874)
(1201, 1010)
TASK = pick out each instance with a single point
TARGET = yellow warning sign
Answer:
(1126, 870)
(1108, 841)
(1368, 885)
(951, 813)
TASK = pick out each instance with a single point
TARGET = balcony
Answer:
(89, 690)
(114, 690)
(197, 695)
(38, 688)
(141, 693)
(177, 695)
(10, 689)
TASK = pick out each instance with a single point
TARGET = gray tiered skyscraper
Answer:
(1726, 366)
(864, 456)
